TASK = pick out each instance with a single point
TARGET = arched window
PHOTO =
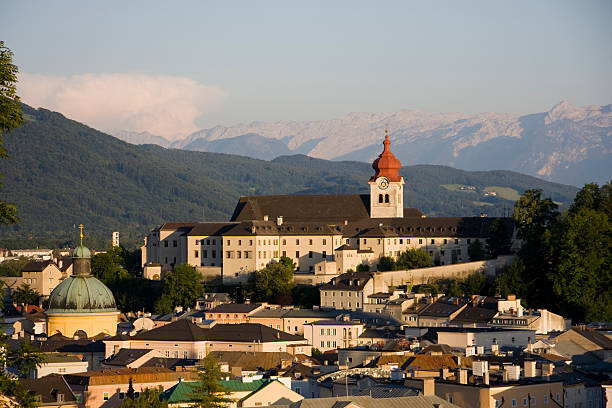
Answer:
(380, 198)
(387, 198)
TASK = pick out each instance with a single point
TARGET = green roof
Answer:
(182, 391)
(81, 294)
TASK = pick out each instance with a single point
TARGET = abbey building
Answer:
(323, 234)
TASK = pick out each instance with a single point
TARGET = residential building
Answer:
(295, 319)
(42, 276)
(233, 313)
(60, 363)
(246, 392)
(185, 339)
(347, 291)
(462, 338)
(51, 391)
(332, 334)
(107, 388)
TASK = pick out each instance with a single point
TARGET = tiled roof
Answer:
(185, 330)
(252, 360)
(269, 313)
(48, 387)
(235, 308)
(182, 392)
(475, 315)
(419, 401)
(431, 362)
(126, 356)
(348, 281)
(36, 266)
(440, 309)
(123, 376)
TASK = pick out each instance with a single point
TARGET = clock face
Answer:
(383, 183)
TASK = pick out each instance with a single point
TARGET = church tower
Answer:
(386, 185)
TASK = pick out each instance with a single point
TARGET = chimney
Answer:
(265, 218)
(529, 369)
(547, 369)
(463, 376)
(279, 220)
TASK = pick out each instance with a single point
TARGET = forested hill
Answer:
(61, 173)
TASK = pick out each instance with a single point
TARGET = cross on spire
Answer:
(81, 233)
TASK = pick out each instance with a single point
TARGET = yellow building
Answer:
(82, 305)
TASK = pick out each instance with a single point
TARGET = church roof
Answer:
(387, 165)
(81, 294)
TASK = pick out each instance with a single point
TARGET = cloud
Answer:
(162, 105)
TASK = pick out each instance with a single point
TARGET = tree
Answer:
(582, 272)
(533, 214)
(386, 263)
(130, 391)
(476, 251)
(108, 266)
(10, 117)
(25, 358)
(208, 392)
(13, 267)
(499, 240)
(414, 258)
(512, 281)
(25, 295)
(363, 267)
(455, 289)
(148, 398)
(475, 284)
(180, 287)
(275, 279)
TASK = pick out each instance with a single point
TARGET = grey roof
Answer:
(310, 313)
(36, 266)
(48, 387)
(334, 323)
(348, 281)
(388, 391)
(126, 356)
(419, 401)
(269, 313)
(235, 308)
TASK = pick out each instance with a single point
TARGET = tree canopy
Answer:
(409, 259)
(10, 117)
(180, 287)
(26, 295)
(275, 281)
(148, 398)
(208, 392)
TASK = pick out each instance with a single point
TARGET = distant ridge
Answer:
(61, 173)
(567, 144)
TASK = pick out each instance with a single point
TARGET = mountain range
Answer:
(61, 173)
(567, 144)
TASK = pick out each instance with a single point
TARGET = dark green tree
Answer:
(13, 267)
(25, 295)
(430, 288)
(414, 258)
(208, 392)
(454, 289)
(180, 287)
(130, 391)
(499, 240)
(10, 117)
(148, 398)
(512, 281)
(534, 214)
(475, 284)
(582, 274)
(386, 263)
(108, 266)
(274, 280)
(363, 267)
(476, 251)
(25, 358)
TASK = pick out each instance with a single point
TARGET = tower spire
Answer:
(81, 233)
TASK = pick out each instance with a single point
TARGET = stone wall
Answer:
(454, 271)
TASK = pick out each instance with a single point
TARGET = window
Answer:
(324, 242)
(239, 242)
(284, 253)
(205, 254)
(524, 402)
(324, 254)
(246, 254)
(229, 254)
(276, 242)
(265, 255)
(284, 242)
(456, 242)
(165, 244)
(310, 254)
(401, 241)
(208, 242)
(61, 369)
(214, 253)
(185, 354)
(228, 242)
(297, 254)
(196, 253)
(380, 198)
(420, 241)
(297, 242)
(276, 254)
(105, 396)
(238, 254)
(433, 241)
(174, 243)
(348, 241)
(322, 344)
(322, 331)
(386, 198)
(250, 242)
(310, 242)
(557, 397)
(121, 395)
(533, 401)
(514, 402)
(545, 399)
(214, 242)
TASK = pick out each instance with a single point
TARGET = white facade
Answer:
(332, 334)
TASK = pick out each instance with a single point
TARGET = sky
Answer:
(172, 68)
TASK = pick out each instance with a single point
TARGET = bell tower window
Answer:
(387, 198)
(380, 198)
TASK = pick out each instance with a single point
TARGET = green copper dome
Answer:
(81, 294)
(81, 252)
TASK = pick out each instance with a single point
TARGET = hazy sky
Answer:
(173, 67)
